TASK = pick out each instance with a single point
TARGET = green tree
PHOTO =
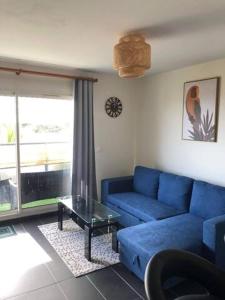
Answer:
(11, 135)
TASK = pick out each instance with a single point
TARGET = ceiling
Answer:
(81, 34)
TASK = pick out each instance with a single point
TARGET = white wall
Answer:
(159, 126)
(148, 132)
(31, 85)
(114, 138)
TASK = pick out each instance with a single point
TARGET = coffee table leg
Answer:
(114, 238)
(87, 242)
(60, 216)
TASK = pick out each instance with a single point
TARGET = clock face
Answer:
(113, 107)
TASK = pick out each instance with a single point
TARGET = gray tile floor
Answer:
(53, 280)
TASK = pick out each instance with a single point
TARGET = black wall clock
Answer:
(113, 107)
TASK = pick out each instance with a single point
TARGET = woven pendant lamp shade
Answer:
(132, 56)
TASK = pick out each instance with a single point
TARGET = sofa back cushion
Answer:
(175, 190)
(146, 181)
(208, 200)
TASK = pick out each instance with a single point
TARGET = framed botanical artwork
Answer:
(200, 110)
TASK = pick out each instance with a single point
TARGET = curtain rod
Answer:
(23, 71)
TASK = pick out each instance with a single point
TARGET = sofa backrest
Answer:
(208, 200)
(175, 190)
(146, 181)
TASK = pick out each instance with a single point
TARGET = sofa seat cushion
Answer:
(179, 232)
(142, 207)
(208, 200)
(175, 190)
(125, 219)
(146, 181)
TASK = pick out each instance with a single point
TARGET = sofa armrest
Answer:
(116, 185)
(214, 239)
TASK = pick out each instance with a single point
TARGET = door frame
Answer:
(20, 212)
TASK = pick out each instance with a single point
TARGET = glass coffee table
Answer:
(91, 216)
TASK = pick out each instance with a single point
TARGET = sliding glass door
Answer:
(45, 127)
(35, 152)
(8, 155)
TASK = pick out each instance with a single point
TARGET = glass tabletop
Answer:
(90, 211)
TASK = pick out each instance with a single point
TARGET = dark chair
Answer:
(176, 263)
(8, 192)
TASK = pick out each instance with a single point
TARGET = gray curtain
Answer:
(83, 165)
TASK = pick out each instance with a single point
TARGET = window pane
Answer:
(8, 181)
(45, 149)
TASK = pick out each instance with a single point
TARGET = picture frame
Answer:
(200, 110)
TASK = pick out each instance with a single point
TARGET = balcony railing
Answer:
(45, 172)
(45, 154)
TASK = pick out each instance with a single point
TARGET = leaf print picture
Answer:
(200, 110)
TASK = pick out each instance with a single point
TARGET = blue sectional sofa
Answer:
(162, 211)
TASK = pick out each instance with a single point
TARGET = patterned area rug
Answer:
(69, 244)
